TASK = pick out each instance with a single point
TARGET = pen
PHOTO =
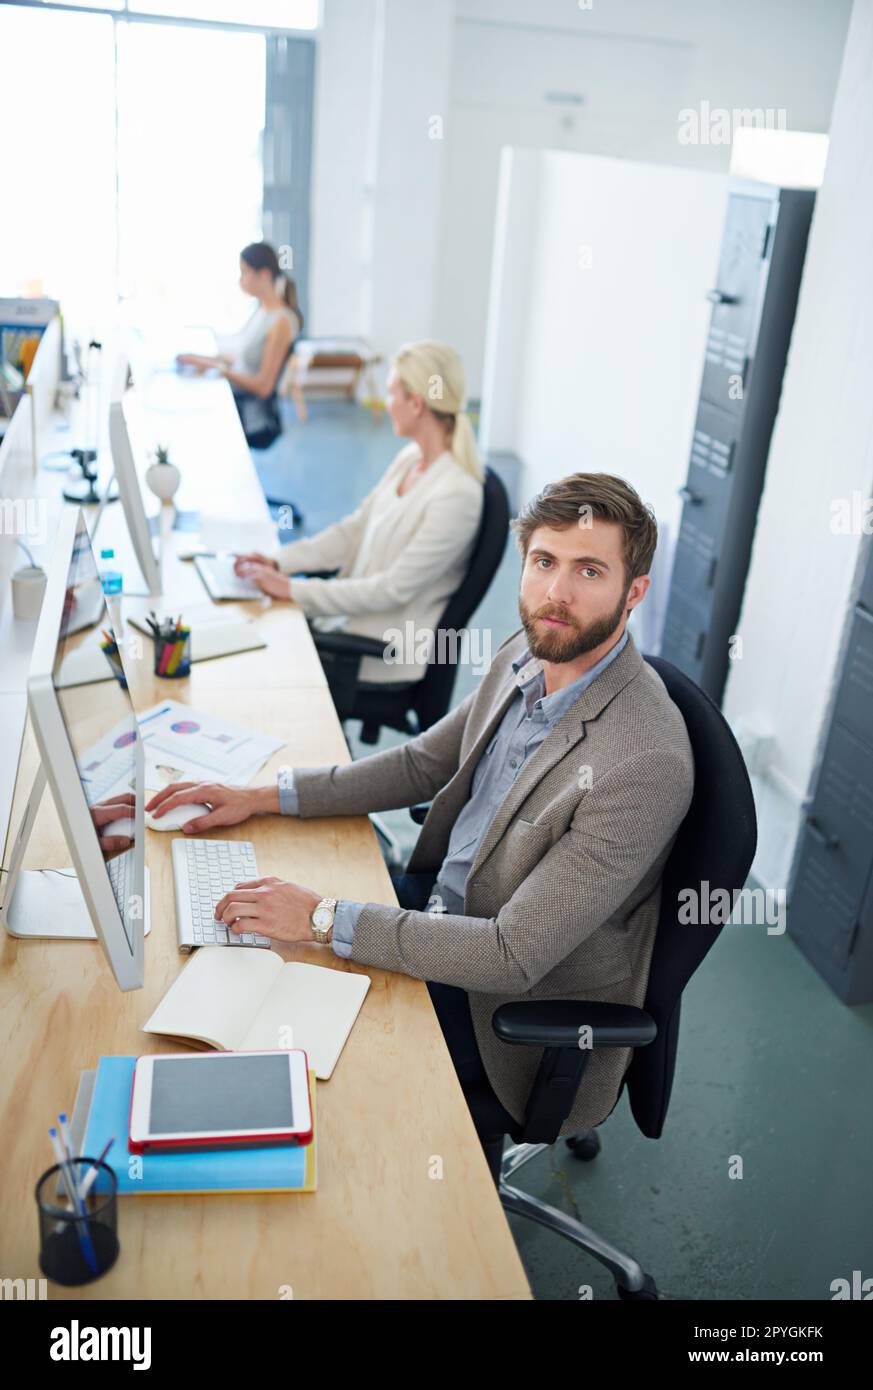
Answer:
(65, 1135)
(88, 1181)
(157, 714)
(73, 1196)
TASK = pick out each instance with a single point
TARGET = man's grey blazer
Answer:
(562, 898)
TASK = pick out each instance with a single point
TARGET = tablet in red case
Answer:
(215, 1100)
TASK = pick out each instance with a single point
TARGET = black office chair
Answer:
(412, 707)
(716, 842)
(264, 438)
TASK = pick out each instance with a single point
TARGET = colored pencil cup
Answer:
(73, 1248)
(173, 659)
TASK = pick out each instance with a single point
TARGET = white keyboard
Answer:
(204, 870)
(217, 574)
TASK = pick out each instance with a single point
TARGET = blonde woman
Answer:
(407, 547)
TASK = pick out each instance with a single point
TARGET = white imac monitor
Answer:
(130, 490)
(92, 758)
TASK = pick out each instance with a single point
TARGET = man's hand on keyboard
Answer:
(270, 906)
(230, 805)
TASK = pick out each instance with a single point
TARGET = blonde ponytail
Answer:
(464, 446)
(435, 372)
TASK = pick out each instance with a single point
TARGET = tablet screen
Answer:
(191, 1094)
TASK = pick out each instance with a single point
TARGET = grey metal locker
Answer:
(830, 898)
(759, 273)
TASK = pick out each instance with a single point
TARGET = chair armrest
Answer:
(419, 812)
(556, 1023)
(340, 654)
(348, 644)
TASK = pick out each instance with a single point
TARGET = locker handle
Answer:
(720, 297)
(824, 839)
(689, 495)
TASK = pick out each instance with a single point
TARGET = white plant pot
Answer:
(164, 480)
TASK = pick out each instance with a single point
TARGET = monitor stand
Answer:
(85, 491)
(48, 904)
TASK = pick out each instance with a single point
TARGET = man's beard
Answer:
(552, 644)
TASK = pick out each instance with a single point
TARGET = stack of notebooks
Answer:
(232, 1000)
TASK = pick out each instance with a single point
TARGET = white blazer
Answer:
(400, 559)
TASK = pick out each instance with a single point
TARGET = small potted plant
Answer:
(162, 476)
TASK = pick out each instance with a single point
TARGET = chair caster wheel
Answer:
(647, 1293)
(584, 1146)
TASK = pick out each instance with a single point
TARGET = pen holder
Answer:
(111, 652)
(173, 659)
(76, 1249)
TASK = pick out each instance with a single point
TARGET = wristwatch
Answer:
(322, 920)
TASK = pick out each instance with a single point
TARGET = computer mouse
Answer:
(176, 817)
(124, 828)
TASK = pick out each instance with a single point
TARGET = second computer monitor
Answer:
(127, 477)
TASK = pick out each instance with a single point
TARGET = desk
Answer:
(383, 1223)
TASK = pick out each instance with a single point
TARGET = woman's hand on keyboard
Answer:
(243, 563)
(269, 580)
(228, 805)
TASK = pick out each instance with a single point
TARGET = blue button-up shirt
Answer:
(528, 720)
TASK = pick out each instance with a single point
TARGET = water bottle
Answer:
(110, 577)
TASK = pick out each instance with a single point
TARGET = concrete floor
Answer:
(771, 1067)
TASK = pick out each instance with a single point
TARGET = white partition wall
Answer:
(597, 323)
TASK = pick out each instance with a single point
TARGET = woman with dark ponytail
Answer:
(252, 361)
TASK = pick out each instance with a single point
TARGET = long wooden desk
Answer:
(405, 1206)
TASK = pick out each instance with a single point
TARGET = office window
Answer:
(190, 122)
(57, 232)
(279, 14)
(139, 171)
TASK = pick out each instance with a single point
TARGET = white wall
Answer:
(801, 578)
(635, 65)
(408, 168)
(403, 225)
(346, 65)
(383, 73)
(595, 343)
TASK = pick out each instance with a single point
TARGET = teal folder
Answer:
(289, 1168)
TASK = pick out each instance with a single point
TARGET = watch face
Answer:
(322, 918)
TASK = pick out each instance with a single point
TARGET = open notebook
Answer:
(237, 1000)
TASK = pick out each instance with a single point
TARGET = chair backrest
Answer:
(715, 844)
(434, 692)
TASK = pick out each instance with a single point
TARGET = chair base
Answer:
(632, 1282)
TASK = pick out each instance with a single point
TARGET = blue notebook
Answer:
(289, 1168)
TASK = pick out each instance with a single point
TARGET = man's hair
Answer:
(573, 500)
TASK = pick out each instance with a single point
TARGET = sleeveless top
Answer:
(249, 345)
(260, 418)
